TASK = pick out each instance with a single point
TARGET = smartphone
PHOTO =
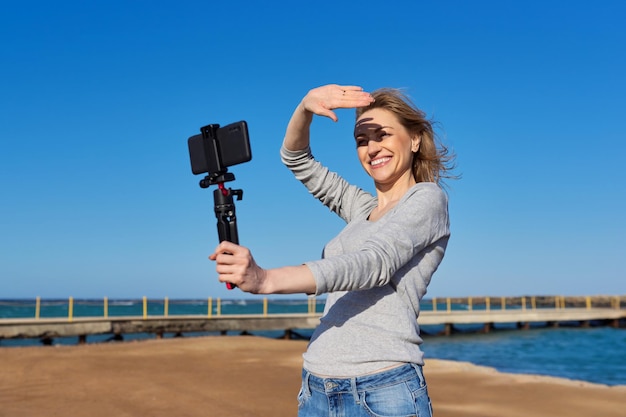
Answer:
(233, 144)
(229, 146)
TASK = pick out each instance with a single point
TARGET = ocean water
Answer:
(593, 354)
(596, 354)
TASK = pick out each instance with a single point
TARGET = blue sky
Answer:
(98, 99)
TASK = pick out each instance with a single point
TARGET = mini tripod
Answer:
(212, 152)
(224, 208)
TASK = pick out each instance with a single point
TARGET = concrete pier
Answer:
(523, 317)
(51, 328)
(58, 327)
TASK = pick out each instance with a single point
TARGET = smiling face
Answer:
(385, 149)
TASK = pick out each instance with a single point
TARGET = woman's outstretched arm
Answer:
(235, 264)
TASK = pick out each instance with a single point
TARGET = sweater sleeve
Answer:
(344, 199)
(418, 224)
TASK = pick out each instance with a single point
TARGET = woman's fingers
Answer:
(228, 247)
(235, 264)
(228, 254)
(354, 96)
(323, 100)
(228, 261)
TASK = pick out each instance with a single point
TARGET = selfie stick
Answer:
(223, 203)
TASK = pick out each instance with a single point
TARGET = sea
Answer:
(595, 354)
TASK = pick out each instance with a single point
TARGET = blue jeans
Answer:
(398, 392)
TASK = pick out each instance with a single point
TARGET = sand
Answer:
(251, 376)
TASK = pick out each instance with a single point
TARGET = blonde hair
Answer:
(432, 162)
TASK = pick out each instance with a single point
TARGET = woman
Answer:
(364, 358)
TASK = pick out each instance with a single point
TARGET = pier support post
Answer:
(117, 337)
(487, 327)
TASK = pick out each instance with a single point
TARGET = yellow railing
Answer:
(472, 303)
(524, 302)
(311, 307)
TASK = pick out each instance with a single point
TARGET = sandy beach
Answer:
(251, 376)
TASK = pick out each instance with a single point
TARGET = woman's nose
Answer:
(373, 147)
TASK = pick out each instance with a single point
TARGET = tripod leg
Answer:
(226, 220)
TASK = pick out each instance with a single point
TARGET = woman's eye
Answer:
(361, 142)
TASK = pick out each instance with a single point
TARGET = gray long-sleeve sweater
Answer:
(375, 273)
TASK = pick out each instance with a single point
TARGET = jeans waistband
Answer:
(380, 379)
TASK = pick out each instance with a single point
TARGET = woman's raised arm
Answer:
(321, 101)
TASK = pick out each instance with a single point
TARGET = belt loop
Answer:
(420, 374)
(355, 393)
(305, 383)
